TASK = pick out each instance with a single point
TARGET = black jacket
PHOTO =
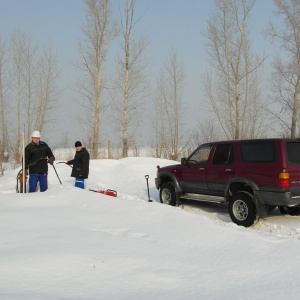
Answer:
(80, 163)
(36, 157)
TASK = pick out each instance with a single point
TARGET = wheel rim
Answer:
(166, 196)
(240, 210)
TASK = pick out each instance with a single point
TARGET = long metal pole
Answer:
(23, 164)
(56, 174)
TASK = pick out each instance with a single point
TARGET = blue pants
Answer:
(35, 178)
(79, 182)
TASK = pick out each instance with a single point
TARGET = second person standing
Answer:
(80, 164)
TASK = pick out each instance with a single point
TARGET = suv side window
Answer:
(258, 151)
(293, 152)
(200, 156)
(223, 154)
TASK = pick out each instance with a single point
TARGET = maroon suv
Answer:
(253, 176)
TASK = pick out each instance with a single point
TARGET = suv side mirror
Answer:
(183, 161)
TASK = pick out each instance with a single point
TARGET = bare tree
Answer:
(4, 87)
(98, 31)
(47, 91)
(206, 131)
(29, 76)
(130, 82)
(34, 85)
(169, 109)
(233, 86)
(286, 72)
(17, 47)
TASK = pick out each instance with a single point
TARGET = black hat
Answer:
(78, 144)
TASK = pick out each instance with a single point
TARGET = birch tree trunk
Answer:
(233, 84)
(98, 30)
(286, 72)
(169, 110)
(4, 86)
(130, 82)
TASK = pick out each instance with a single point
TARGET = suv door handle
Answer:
(227, 170)
(201, 169)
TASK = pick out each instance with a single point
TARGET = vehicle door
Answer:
(192, 175)
(221, 168)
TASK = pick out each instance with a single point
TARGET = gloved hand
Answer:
(51, 160)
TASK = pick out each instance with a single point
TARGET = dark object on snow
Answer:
(107, 192)
(147, 177)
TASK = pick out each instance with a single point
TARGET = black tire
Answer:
(242, 210)
(167, 194)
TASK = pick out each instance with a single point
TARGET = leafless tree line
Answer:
(232, 85)
(28, 90)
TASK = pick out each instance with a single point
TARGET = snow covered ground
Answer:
(69, 243)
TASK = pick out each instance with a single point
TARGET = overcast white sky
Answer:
(166, 23)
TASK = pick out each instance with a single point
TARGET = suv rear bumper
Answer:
(277, 198)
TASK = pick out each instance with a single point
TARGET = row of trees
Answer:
(28, 90)
(232, 86)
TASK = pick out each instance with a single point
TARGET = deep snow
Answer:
(69, 243)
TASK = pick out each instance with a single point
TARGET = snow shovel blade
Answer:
(107, 192)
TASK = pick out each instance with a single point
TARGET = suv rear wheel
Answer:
(242, 210)
(167, 194)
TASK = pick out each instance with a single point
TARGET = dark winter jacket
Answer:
(80, 163)
(36, 157)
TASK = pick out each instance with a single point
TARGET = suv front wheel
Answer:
(242, 210)
(167, 194)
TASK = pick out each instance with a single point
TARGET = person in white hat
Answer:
(37, 156)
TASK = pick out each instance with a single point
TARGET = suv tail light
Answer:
(284, 180)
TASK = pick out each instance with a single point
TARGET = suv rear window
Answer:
(258, 151)
(293, 152)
